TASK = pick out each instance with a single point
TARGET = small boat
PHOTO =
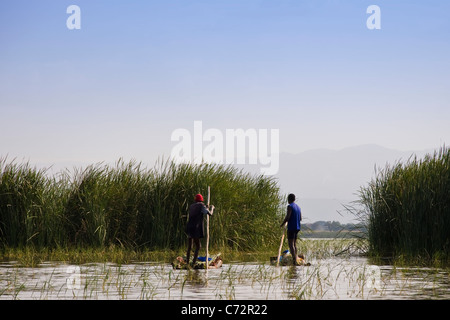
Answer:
(214, 262)
(286, 259)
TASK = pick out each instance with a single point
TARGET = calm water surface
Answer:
(334, 278)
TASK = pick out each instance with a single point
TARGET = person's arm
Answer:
(288, 216)
(206, 211)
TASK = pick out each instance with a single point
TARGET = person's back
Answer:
(195, 223)
(296, 216)
(194, 226)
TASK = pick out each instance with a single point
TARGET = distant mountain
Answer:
(324, 180)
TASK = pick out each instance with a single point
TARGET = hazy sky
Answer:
(138, 70)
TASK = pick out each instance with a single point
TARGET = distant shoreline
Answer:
(331, 234)
(332, 229)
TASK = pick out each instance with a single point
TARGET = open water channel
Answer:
(333, 278)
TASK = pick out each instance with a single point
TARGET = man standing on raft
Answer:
(195, 225)
(293, 218)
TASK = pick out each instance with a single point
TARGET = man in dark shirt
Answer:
(195, 226)
(293, 218)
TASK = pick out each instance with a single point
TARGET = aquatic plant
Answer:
(134, 207)
(407, 208)
(30, 205)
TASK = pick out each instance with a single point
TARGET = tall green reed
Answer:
(132, 206)
(407, 208)
(30, 205)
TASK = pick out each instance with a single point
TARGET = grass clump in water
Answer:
(407, 209)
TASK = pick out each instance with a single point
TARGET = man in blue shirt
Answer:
(293, 218)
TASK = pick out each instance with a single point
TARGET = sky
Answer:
(136, 71)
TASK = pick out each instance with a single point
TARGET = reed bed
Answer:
(407, 209)
(129, 206)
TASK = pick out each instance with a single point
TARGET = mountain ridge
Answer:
(324, 179)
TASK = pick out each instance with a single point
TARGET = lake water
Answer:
(333, 278)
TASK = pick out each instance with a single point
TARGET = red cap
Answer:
(199, 198)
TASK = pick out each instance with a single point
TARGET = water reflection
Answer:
(351, 278)
(292, 274)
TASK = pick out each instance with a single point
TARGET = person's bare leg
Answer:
(197, 249)
(189, 248)
(293, 249)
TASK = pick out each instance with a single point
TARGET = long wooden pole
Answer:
(207, 232)
(279, 250)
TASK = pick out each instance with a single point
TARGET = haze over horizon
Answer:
(135, 72)
(324, 180)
